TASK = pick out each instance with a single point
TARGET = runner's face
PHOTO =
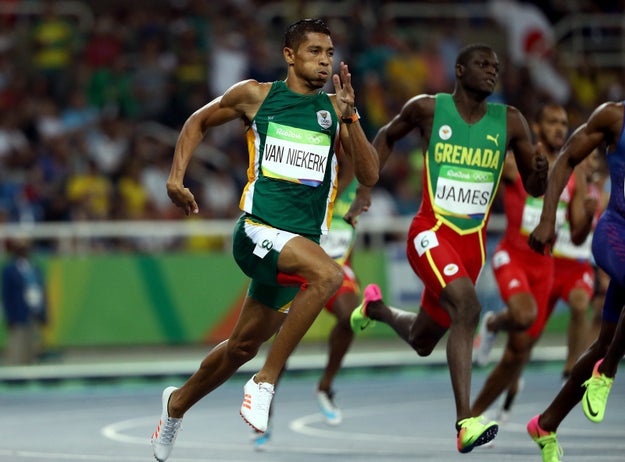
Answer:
(313, 59)
(553, 128)
(482, 72)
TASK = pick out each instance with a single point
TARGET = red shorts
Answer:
(569, 275)
(350, 285)
(520, 271)
(439, 255)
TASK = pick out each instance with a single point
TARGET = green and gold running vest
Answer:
(292, 172)
(464, 164)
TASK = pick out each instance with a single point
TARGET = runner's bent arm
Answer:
(354, 142)
(408, 118)
(413, 114)
(241, 100)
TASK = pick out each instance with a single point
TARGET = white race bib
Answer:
(465, 190)
(295, 155)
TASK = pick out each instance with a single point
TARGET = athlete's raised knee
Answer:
(423, 347)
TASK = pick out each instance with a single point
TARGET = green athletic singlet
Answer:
(292, 173)
(464, 163)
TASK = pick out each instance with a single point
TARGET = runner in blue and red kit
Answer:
(593, 374)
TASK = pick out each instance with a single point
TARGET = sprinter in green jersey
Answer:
(338, 244)
(465, 139)
(295, 131)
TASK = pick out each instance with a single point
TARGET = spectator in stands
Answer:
(104, 60)
(54, 41)
(111, 89)
(107, 143)
(104, 45)
(132, 199)
(152, 74)
(90, 193)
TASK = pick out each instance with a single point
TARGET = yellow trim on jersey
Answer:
(439, 276)
(285, 308)
(335, 183)
(435, 269)
(252, 144)
(441, 217)
(482, 249)
(333, 194)
(249, 221)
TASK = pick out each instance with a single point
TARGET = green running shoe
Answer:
(359, 319)
(595, 397)
(546, 441)
(475, 431)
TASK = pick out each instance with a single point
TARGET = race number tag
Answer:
(564, 247)
(533, 209)
(531, 214)
(425, 241)
(263, 247)
(337, 242)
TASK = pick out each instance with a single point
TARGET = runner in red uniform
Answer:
(574, 275)
(524, 281)
(593, 374)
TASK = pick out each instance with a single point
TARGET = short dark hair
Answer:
(540, 113)
(296, 32)
(465, 53)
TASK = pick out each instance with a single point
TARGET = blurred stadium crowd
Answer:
(89, 114)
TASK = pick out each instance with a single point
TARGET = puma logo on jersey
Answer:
(494, 139)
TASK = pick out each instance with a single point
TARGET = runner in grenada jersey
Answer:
(466, 139)
(463, 166)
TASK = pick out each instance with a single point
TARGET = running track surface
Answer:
(390, 414)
